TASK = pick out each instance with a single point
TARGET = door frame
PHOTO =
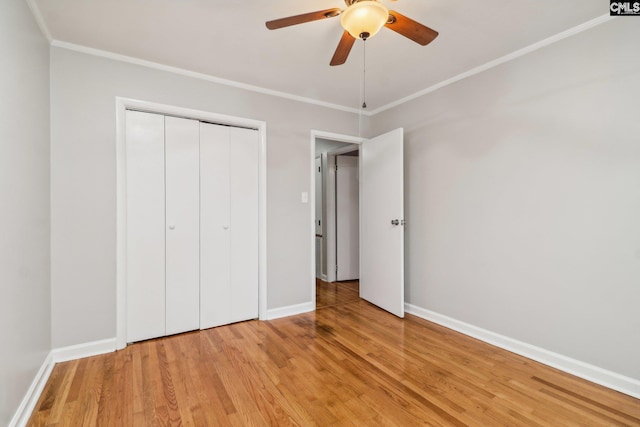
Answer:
(312, 227)
(124, 104)
(322, 219)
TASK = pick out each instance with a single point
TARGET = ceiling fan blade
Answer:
(410, 29)
(343, 49)
(301, 19)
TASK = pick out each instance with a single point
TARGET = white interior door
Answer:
(214, 232)
(347, 218)
(192, 225)
(381, 237)
(244, 153)
(182, 225)
(145, 238)
(229, 224)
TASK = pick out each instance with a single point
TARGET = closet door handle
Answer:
(226, 227)
(172, 226)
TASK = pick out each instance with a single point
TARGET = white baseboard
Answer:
(290, 310)
(595, 374)
(79, 351)
(22, 414)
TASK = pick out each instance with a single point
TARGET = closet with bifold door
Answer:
(191, 225)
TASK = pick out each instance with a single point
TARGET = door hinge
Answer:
(336, 268)
(336, 166)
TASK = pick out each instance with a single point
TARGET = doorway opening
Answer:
(335, 215)
(381, 215)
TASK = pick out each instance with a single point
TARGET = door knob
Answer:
(395, 222)
(171, 226)
(226, 227)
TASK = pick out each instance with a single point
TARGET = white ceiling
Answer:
(228, 39)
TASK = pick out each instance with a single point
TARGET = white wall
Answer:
(523, 198)
(25, 334)
(83, 216)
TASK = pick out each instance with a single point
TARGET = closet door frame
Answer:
(124, 104)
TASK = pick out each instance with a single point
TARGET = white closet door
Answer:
(182, 225)
(229, 224)
(214, 228)
(243, 172)
(145, 240)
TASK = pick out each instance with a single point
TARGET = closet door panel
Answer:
(214, 223)
(183, 225)
(243, 172)
(145, 241)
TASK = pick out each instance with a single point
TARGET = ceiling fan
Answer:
(361, 19)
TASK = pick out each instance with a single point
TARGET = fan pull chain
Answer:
(364, 73)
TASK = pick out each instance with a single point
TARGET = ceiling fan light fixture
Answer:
(364, 18)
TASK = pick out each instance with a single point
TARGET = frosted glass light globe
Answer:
(365, 17)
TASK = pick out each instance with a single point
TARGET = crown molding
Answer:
(196, 75)
(499, 61)
(258, 89)
(35, 11)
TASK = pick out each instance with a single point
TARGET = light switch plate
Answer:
(305, 197)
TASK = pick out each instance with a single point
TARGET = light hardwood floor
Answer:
(349, 363)
(332, 294)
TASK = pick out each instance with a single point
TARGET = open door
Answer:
(382, 222)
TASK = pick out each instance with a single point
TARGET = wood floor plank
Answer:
(185, 396)
(168, 389)
(62, 394)
(346, 364)
(123, 389)
(91, 389)
(105, 406)
(148, 378)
